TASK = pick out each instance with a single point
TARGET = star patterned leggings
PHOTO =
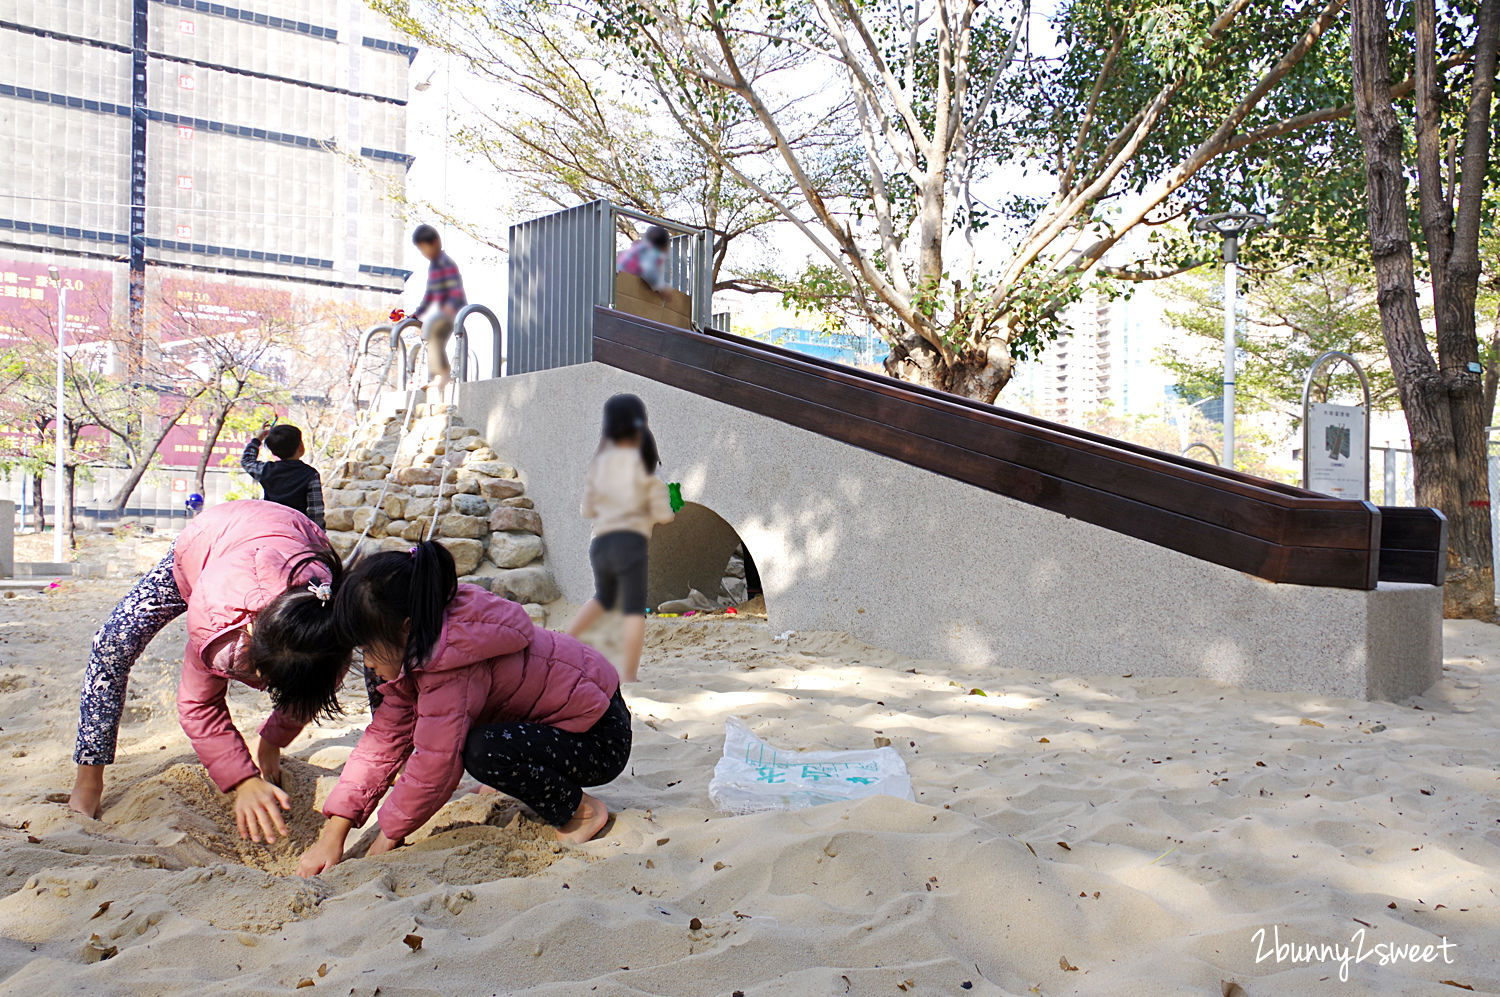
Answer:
(546, 768)
(150, 605)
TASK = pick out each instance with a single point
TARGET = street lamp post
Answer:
(1232, 227)
(57, 479)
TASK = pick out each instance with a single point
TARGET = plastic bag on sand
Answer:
(753, 776)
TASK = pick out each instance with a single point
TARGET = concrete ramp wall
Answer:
(923, 564)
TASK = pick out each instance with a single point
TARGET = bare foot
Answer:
(588, 820)
(88, 790)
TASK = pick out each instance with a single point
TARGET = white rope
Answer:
(390, 476)
(373, 410)
(437, 507)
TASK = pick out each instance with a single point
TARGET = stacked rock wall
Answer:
(388, 491)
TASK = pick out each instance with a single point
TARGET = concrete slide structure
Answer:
(985, 560)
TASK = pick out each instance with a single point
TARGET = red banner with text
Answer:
(28, 302)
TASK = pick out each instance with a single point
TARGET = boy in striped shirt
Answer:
(445, 289)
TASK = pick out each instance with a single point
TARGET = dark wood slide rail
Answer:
(1264, 528)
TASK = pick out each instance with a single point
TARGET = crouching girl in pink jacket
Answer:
(467, 682)
(252, 578)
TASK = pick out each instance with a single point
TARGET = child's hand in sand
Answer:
(257, 809)
(328, 851)
(382, 844)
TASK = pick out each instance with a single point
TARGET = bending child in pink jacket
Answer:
(238, 564)
(467, 682)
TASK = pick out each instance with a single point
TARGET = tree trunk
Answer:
(973, 374)
(38, 514)
(65, 518)
(1444, 405)
(212, 439)
(122, 496)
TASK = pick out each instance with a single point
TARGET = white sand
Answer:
(1194, 815)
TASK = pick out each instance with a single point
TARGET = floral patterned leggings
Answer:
(546, 768)
(146, 609)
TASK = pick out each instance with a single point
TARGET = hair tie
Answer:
(413, 551)
(322, 590)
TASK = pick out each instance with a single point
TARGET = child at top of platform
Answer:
(647, 259)
(626, 501)
(466, 681)
(286, 480)
(445, 289)
(247, 577)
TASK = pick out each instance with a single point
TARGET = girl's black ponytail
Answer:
(295, 647)
(381, 592)
(648, 451)
(303, 568)
(434, 583)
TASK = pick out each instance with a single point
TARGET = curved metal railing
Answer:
(461, 341)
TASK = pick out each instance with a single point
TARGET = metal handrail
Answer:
(397, 348)
(641, 216)
(698, 281)
(394, 330)
(371, 333)
(1200, 445)
(461, 341)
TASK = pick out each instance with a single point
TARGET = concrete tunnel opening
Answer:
(701, 552)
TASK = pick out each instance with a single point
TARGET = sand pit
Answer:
(187, 802)
(1104, 836)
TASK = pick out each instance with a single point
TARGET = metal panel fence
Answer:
(1391, 481)
(555, 281)
(563, 264)
(157, 502)
(1495, 520)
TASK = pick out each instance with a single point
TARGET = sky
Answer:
(440, 177)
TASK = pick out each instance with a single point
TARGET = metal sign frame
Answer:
(1307, 385)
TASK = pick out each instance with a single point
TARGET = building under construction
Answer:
(164, 148)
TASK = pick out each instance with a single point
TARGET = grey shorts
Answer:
(619, 561)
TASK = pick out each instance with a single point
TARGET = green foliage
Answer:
(1292, 317)
(28, 407)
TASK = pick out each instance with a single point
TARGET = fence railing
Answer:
(1393, 482)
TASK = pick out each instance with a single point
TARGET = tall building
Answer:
(1108, 360)
(181, 149)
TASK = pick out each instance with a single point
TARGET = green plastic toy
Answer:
(674, 496)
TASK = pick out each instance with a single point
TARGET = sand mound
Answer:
(183, 810)
(474, 839)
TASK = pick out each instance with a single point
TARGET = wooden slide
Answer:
(1264, 528)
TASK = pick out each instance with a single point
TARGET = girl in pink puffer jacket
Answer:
(465, 681)
(238, 567)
